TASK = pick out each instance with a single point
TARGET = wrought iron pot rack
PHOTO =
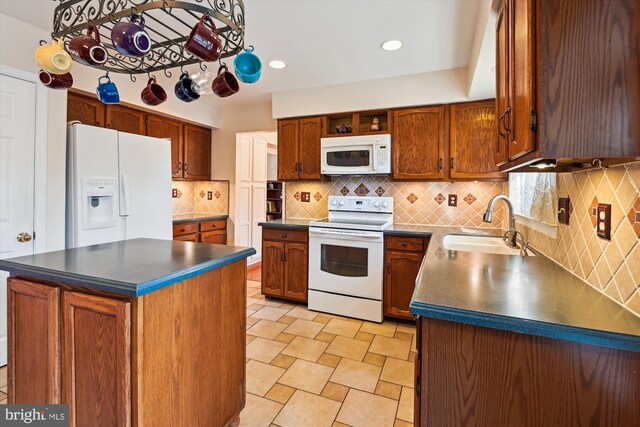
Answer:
(168, 23)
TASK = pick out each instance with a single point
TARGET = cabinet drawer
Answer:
(187, 228)
(218, 224)
(193, 237)
(285, 235)
(410, 244)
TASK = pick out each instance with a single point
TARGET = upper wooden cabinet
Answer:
(88, 111)
(473, 141)
(125, 119)
(197, 153)
(418, 147)
(160, 127)
(299, 149)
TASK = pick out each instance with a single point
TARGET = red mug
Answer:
(204, 42)
(153, 94)
(225, 84)
(55, 81)
(87, 50)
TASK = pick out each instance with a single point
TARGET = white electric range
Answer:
(346, 257)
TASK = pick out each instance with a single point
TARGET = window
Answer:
(534, 196)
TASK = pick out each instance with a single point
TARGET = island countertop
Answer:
(532, 295)
(195, 217)
(129, 267)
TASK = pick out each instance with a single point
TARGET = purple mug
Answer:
(130, 38)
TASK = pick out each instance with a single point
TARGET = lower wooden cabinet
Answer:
(285, 264)
(213, 232)
(403, 258)
(214, 237)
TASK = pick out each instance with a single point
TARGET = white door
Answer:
(17, 149)
(243, 192)
(259, 192)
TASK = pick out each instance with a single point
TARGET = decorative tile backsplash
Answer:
(612, 267)
(415, 202)
(193, 197)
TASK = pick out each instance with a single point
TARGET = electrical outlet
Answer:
(603, 224)
(564, 210)
(174, 193)
(453, 200)
(209, 195)
(305, 196)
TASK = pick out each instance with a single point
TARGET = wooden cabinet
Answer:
(86, 110)
(197, 153)
(285, 259)
(403, 258)
(214, 237)
(34, 343)
(161, 127)
(125, 119)
(502, 82)
(419, 139)
(214, 231)
(299, 149)
(473, 141)
(96, 368)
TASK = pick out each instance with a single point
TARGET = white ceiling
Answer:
(327, 42)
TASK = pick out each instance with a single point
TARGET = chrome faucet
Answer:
(512, 234)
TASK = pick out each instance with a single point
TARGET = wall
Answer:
(612, 267)
(415, 202)
(192, 197)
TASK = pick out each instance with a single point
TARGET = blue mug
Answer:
(248, 66)
(186, 89)
(107, 91)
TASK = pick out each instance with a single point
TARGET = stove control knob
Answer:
(334, 202)
(341, 202)
(376, 204)
(385, 204)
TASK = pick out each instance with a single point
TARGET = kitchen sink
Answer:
(484, 244)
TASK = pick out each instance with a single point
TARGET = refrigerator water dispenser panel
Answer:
(99, 203)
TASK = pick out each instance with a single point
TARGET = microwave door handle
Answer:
(374, 167)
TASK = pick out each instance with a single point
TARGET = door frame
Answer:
(40, 155)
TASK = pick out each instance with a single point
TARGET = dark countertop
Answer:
(128, 267)
(181, 219)
(531, 295)
(287, 223)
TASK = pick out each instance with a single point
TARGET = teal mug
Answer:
(248, 66)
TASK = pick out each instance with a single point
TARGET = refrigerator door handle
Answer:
(124, 195)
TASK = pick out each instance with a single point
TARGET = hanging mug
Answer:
(186, 89)
(53, 58)
(130, 38)
(55, 81)
(248, 66)
(204, 42)
(107, 91)
(153, 94)
(225, 84)
(87, 49)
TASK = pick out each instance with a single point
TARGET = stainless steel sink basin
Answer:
(483, 244)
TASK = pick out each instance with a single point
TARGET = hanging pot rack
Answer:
(168, 23)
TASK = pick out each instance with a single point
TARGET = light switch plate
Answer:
(564, 210)
(305, 196)
(174, 193)
(453, 200)
(209, 195)
(603, 221)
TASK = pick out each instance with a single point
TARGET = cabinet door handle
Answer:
(389, 268)
(184, 167)
(179, 167)
(285, 256)
(504, 121)
(281, 256)
(500, 124)
(451, 163)
(440, 163)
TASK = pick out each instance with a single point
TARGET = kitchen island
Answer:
(139, 332)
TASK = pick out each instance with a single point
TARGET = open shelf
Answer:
(360, 123)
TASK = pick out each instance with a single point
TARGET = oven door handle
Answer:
(345, 234)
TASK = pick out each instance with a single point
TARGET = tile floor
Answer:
(3, 385)
(307, 369)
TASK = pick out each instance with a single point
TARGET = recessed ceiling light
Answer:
(277, 64)
(391, 45)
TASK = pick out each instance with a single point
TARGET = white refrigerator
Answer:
(118, 186)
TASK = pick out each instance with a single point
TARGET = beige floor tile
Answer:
(335, 391)
(250, 312)
(305, 348)
(412, 356)
(398, 372)
(342, 327)
(288, 306)
(352, 373)
(405, 336)
(280, 393)
(251, 301)
(302, 313)
(400, 423)
(266, 329)
(348, 347)
(390, 390)
(258, 412)
(255, 307)
(308, 410)
(287, 320)
(362, 409)
(329, 360)
(261, 377)
(264, 350)
(411, 329)
(322, 318)
(3, 389)
(304, 328)
(390, 347)
(270, 302)
(307, 376)
(252, 291)
(253, 283)
(249, 338)
(405, 407)
(364, 336)
(385, 329)
(270, 313)
(285, 338)
(337, 424)
(251, 321)
(323, 336)
(374, 359)
(283, 361)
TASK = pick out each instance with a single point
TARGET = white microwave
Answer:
(356, 155)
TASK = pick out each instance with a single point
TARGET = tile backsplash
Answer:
(612, 267)
(415, 202)
(192, 197)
